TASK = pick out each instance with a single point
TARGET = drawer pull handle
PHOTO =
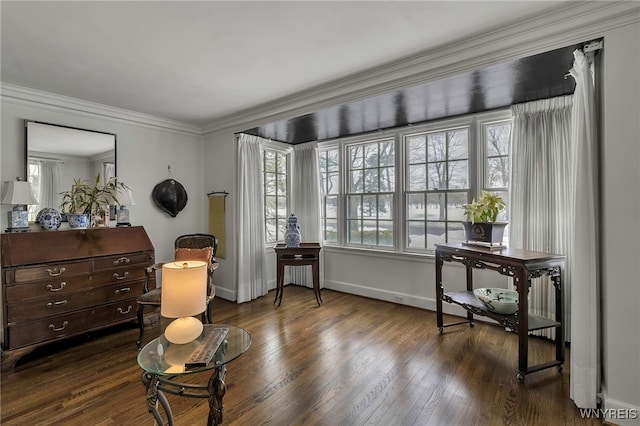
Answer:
(123, 290)
(121, 260)
(56, 274)
(58, 303)
(118, 277)
(62, 285)
(53, 327)
(123, 312)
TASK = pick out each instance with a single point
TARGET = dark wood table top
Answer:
(503, 253)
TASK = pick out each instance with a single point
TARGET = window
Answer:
(276, 184)
(496, 138)
(370, 191)
(34, 178)
(330, 189)
(437, 186)
(440, 167)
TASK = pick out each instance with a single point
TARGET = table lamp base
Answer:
(183, 330)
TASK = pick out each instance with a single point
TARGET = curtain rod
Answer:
(589, 47)
(225, 193)
(592, 46)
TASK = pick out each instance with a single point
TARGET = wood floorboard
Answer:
(352, 361)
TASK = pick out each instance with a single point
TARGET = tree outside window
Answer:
(497, 137)
(276, 182)
(437, 186)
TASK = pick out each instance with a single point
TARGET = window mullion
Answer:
(400, 222)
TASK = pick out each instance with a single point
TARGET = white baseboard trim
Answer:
(619, 412)
(232, 295)
(226, 294)
(373, 293)
(399, 298)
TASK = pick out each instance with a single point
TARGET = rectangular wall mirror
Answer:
(56, 155)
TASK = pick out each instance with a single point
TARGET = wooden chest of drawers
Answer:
(58, 284)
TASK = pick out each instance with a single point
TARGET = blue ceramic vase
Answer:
(292, 235)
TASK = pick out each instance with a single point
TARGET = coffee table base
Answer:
(157, 385)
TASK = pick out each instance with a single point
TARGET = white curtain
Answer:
(49, 193)
(554, 195)
(251, 256)
(305, 204)
(541, 195)
(584, 266)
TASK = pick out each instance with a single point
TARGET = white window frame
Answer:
(443, 126)
(492, 120)
(347, 193)
(285, 149)
(332, 146)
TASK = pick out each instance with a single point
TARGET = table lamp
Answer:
(18, 193)
(184, 294)
(125, 198)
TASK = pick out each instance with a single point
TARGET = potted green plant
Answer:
(481, 226)
(87, 202)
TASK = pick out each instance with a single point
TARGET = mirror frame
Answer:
(70, 128)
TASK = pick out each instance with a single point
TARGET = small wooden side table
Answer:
(306, 254)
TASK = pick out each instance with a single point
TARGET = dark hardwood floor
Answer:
(352, 361)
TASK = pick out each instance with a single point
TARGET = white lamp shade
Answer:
(184, 289)
(17, 192)
(125, 197)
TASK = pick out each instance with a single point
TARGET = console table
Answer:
(522, 266)
(306, 254)
(163, 363)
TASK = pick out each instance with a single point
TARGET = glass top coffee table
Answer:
(163, 365)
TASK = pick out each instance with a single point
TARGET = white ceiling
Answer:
(199, 61)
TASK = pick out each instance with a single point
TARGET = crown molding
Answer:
(571, 23)
(20, 95)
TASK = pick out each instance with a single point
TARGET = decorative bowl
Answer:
(498, 300)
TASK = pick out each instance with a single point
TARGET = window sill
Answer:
(384, 254)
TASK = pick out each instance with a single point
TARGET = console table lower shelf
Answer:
(467, 300)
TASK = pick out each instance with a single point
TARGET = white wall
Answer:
(143, 152)
(220, 175)
(621, 212)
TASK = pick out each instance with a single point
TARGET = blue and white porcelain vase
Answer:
(49, 219)
(292, 235)
(79, 221)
